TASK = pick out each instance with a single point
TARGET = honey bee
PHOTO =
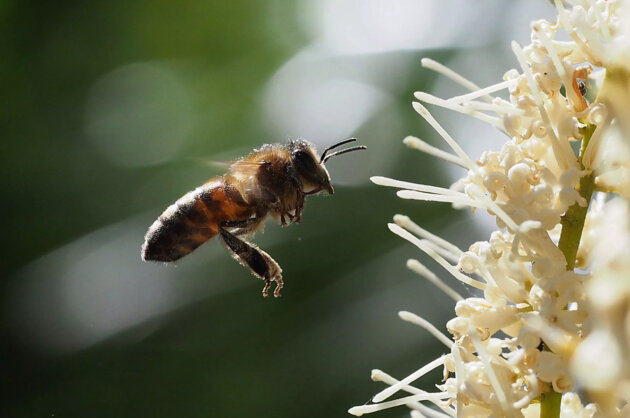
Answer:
(273, 180)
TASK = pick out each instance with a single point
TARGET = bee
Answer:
(273, 180)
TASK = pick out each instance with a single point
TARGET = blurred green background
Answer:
(112, 110)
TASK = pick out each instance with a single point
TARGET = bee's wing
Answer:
(241, 167)
(223, 165)
(246, 167)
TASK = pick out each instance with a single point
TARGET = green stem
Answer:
(573, 220)
(550, 404)
(572, 227)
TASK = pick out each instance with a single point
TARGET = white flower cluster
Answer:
(541, 328)
(601, 362)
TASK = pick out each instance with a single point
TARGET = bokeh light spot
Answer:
(139, 115)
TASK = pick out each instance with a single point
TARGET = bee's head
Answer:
(311, 169)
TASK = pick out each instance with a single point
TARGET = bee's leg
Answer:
(299, 205)
(244, 227)
(258, 261)
(284, 211)
(299, 194)
(273, 202)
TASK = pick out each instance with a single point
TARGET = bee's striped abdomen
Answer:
(190, 222)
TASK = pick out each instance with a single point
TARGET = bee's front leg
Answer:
(299, 205)
(284, 213)
(278, 208)
(299, 195)
(283, 221)
(274, 203)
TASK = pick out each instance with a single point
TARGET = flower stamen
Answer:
(420, 145)
(417, 267)
(440, 260)
(447, 138)
(417, 320)
(483, 92)
(386, 393)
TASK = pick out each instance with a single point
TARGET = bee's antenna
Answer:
(321, 159)
(343, 151)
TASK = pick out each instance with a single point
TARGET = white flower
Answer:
(540, 327)
(600, 363)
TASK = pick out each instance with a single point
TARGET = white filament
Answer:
(417, 143)
(417, 320)
(440, 260)
(416, 266)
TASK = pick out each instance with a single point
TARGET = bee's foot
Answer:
(279, 286)
(265, 291)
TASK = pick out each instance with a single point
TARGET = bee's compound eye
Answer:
(299, 155)
(306, 166)
(303, 160)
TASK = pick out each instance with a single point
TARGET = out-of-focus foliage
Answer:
(111, 111)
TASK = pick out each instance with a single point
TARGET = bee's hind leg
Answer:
(258, 261)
